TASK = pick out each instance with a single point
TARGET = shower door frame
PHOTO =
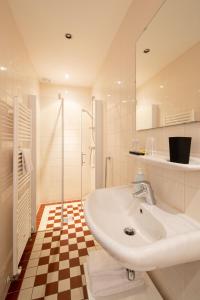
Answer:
(83, 111)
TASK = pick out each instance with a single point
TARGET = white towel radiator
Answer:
(21, 182)
(182, 117)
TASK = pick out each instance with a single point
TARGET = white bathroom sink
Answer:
(161, 239)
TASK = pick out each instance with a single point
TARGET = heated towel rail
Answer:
(21, 182)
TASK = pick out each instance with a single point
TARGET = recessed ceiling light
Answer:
(66, 76)
(119, 82)
(147, 50)
(3, 68)
(108, 95)
(161, 86)
(68, 36)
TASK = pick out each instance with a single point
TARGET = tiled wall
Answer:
(19, 80)
(177, 189)
(50, 140)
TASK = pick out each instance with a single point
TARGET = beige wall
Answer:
(50, 140)
(175, 283)
(19, 80)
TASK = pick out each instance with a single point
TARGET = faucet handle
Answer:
(146, 189)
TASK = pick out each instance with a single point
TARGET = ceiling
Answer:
(92, 23)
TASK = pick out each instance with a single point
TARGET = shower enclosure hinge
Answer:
(14, 277)
(32, 229)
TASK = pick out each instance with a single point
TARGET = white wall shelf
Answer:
(194, 164)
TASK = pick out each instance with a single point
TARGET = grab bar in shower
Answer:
(106, 169)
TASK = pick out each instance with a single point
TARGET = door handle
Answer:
(82, 158)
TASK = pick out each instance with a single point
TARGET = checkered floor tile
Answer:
(51, 218)
(52, 263)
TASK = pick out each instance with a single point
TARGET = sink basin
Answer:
(159, 238)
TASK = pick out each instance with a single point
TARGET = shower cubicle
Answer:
(91, 151)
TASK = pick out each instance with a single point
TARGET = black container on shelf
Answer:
(179, 149)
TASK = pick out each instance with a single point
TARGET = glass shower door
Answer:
(86, 125)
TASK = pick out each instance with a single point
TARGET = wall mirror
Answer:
(168, 67)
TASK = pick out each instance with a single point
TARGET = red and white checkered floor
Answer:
(52, 263)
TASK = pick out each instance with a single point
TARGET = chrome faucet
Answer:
(145, 191)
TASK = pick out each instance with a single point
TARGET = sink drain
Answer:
(129, 231)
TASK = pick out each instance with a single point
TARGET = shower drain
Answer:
(68, 219)
(129, 231)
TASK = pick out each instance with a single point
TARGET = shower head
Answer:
(87, 112)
